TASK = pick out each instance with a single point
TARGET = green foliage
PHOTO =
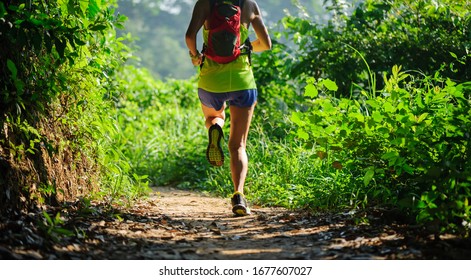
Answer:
(52, 226)
(160, 124)
(405, 146)
(58, 72)
(159, 27)
(349, 145)
(410, 145)
(420, 35)
(55, 37)
(338, 125)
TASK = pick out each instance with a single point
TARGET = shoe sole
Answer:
(214, 152)
(240, 210)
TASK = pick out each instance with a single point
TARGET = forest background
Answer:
(363, 106)
(168, 20)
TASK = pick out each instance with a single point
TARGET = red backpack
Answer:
(224, 43)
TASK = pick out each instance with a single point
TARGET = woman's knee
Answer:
(236, 147)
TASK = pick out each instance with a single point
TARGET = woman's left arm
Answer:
(263, 41)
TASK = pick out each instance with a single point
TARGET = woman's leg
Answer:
(214, 121)
(240, 124)
(213, 116)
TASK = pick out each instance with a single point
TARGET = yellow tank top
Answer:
(233, 76)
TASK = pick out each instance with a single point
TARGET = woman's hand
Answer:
(196, 59)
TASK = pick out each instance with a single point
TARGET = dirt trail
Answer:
(177, 224)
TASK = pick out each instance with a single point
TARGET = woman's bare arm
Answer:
(200, 14)
(263, 41)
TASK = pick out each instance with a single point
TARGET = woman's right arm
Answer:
(200, 13)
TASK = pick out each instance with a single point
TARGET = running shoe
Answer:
(214, 152)
(239, 205)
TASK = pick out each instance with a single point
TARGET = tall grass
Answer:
(333, 154)
(163, 136)
(162, 130)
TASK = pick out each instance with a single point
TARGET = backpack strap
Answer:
(247, 47)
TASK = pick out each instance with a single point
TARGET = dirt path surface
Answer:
(184, 225)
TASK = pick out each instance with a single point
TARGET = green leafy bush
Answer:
(408, 145)
(420, 35)
(58, 63)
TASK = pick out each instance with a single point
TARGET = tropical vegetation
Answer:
(369, 110)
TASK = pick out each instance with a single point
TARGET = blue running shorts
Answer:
(242, 98)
